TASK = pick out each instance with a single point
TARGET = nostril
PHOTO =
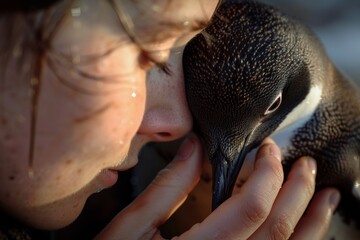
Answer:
(164, 134)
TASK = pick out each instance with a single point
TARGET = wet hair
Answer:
(37, 23)
(30, 27)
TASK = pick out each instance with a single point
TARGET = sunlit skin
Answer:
(80, 136)
(103, 93)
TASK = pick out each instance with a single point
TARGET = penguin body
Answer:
(255, 72)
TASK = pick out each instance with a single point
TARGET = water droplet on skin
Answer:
(186, 23)
(34, 81)
(31, 173)
(76, 12)
(156, 8)
(133, 94)
(356, 190)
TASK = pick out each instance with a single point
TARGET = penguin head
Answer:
(244, 74)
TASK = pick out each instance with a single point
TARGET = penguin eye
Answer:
(274, 105)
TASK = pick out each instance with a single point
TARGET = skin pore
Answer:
(95, 109)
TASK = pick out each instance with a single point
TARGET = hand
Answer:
(265, 207)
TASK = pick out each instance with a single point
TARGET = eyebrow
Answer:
(182, 27)
(193, 25)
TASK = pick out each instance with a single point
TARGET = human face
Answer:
(85, 127)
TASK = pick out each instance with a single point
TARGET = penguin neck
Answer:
(298, 117)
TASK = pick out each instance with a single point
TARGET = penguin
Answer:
(255, 72)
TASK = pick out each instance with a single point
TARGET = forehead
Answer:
(149, 17)
(146, 22)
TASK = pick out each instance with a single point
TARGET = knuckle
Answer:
(272, 164)
(278, 172)
(282, 228)
(308, 184)
(257, 210)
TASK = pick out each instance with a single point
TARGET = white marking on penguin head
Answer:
(304, 110)
(297, 117)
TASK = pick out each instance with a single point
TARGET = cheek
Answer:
(77, 136)
(91, 133)
(101, 110)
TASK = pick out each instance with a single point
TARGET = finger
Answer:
(163, 196)
(315, 223)
(239, 216)
(291, 202)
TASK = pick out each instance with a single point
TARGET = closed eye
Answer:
(146, 62)
(274, 105)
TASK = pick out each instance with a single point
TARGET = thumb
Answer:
(161, 198)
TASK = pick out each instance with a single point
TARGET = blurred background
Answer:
(336, 23)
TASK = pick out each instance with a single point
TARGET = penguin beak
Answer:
(225, 172)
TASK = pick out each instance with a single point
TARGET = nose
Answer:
(167, 116)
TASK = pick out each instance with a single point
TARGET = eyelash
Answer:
(146, 62)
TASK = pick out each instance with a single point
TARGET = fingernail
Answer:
(186, 149)
(334, 200)
(275, 151)
(311, 165)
